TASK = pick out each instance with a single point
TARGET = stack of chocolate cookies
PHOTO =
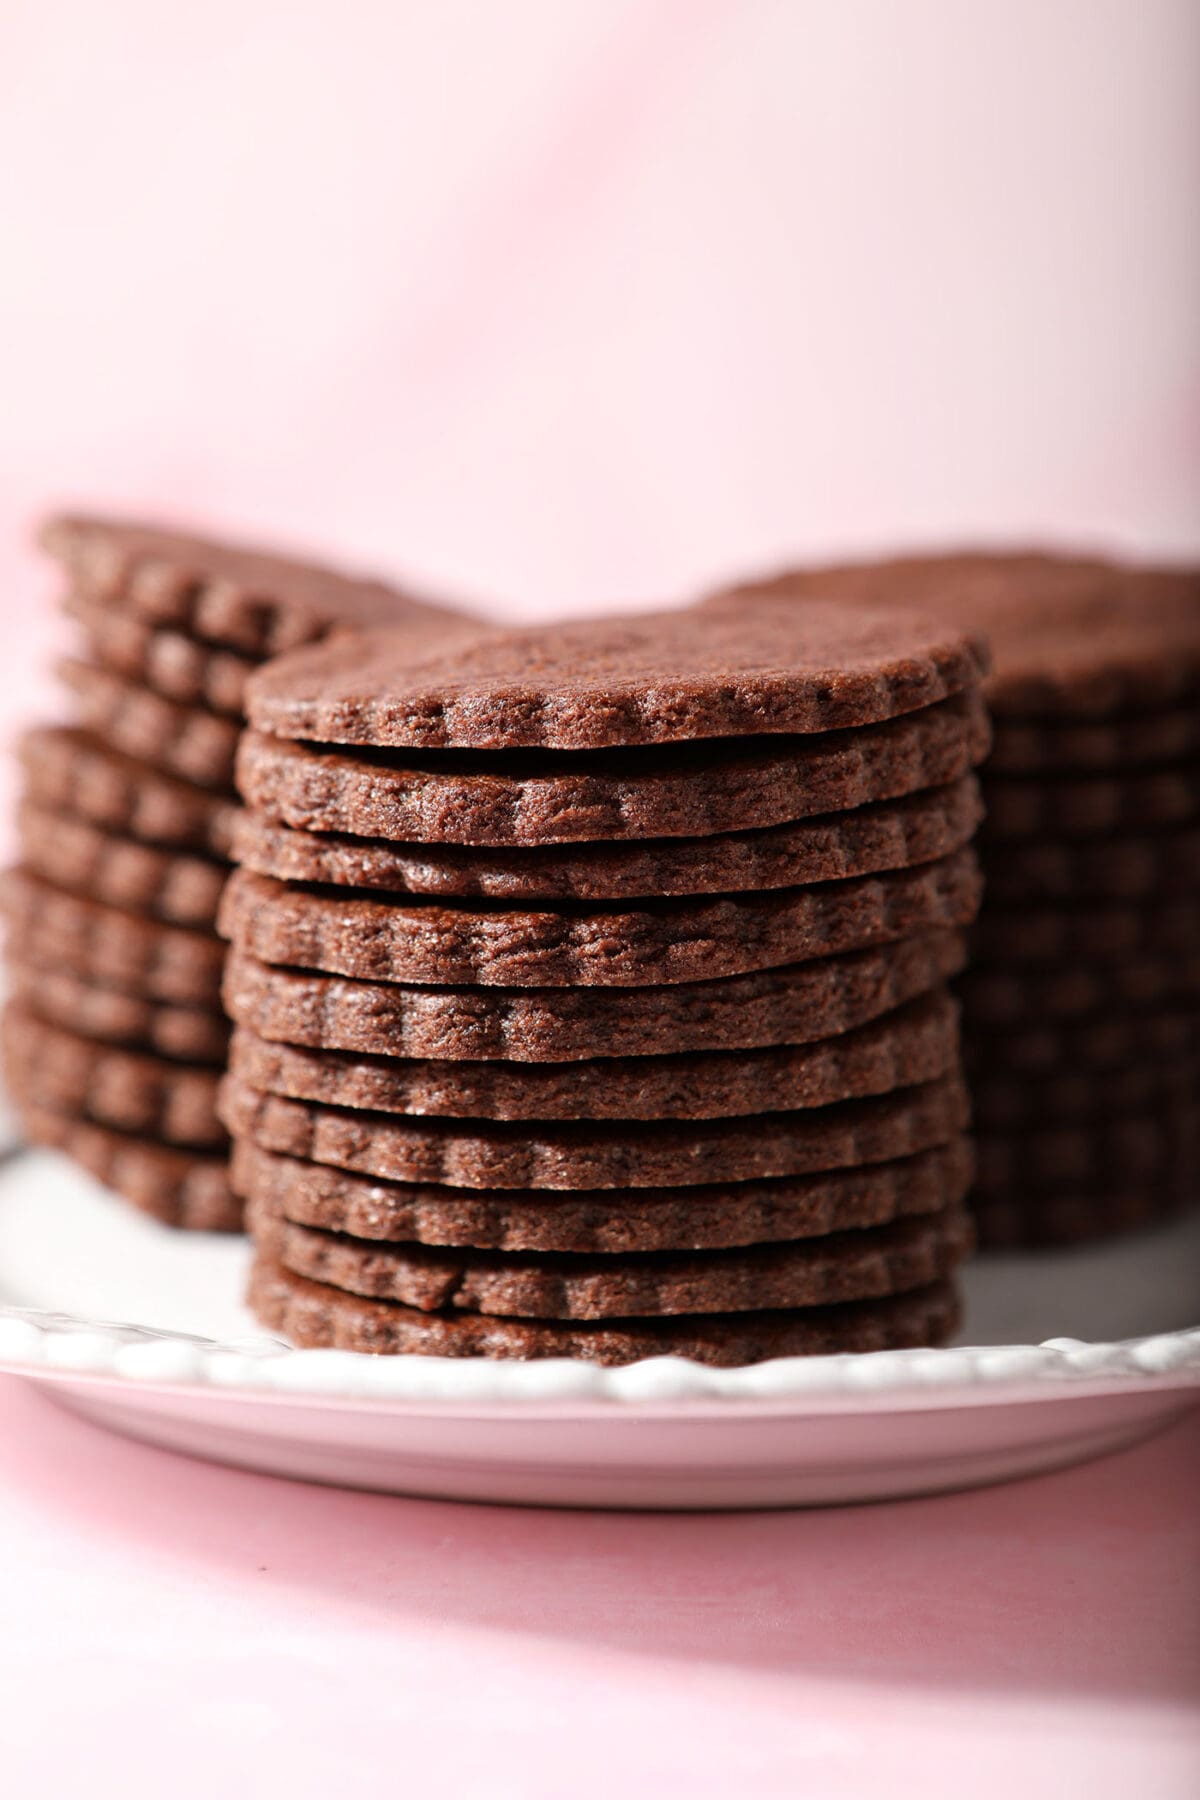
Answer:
(1082, 1004)
(590, 987)
(113, 1035)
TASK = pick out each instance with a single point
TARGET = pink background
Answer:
(566, 303)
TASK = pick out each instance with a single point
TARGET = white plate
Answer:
(191, 1371)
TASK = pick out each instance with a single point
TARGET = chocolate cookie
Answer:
(178, 667)
(893, 834)
(778, 1006)
(226, 594)
(1107, 1041)
(173, 1101)
(1005, 1102)
(1090, 805)
(183, 740)
(70, 853)
(665, 942)
(662, 1154)
(914, 1045)
(314, 1316)
(1117, 868)
(1123, 742)
(188, 1034)
(693, 790)
(71, 771)
(854, 1265)
(1049, 1218)
(186, 1188)
(1112, 1151)
(648, 678)
(1078, 990)
(139, 956)
(1071, 637)
(606, 1220)
(1019, 935)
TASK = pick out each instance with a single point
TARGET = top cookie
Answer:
(227, 594)
(650, 678)
(1071, 636)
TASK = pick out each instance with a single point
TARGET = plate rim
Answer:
(54, 1346)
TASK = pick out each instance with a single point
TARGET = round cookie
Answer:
(1119, 868)
(891, 834)
(1089, 805)
(1108, 1041)
(1020, 998)
(186, 741)
(903, 1049)
(691, 790)
(664, 942)
(1126, 741)
(178, 667)
(173, 885)
(605, 1220)
(1005, 1102)
(1071, 637)
(136, 955)
(1111, 1151)
(315, 1316)
(227, 594)
(1043, 1220)
(665, 1153)
(648, 678)
(172, 1101)
(67, 770)
(855, 1265)
(184, 1033)
(1016, 936)
(185, 1188)
(777, 1006)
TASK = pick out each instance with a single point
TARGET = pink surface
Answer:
(175, 1627)
(566, 304)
